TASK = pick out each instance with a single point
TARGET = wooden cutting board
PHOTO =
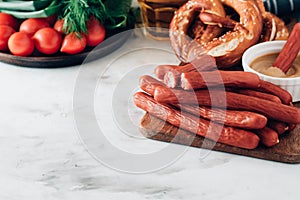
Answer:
(287, 151)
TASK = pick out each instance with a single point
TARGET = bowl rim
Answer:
(261, 45)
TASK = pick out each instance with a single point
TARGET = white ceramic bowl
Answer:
(290, 84)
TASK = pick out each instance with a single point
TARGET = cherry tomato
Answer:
(51, 19)
(32, 25)
(58, 26)
(47, 40)
(20, 44)
(5, 33)
(6, 19)
(72, 44)
(96, 32)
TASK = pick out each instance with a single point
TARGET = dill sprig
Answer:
(76, 13)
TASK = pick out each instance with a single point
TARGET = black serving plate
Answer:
(113, 41)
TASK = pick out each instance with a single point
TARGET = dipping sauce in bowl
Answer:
(263, 64)
(259, 58)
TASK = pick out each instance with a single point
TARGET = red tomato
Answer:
(51, 19)
(72, 44)
(5, 33)
(32, 25)
(58, 26)
(47, 40)
(96, 32)
(6, 19)
(20, 44)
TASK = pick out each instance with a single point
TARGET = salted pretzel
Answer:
(273, 27)
(228, 48)
(187, 26)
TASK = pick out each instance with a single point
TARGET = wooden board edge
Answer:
(156, 129)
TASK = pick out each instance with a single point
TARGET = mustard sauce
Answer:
(264, 63)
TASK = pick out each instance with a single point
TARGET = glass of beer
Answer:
(156, 16)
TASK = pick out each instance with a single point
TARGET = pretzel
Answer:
(228, 48)
(282, 32)
(186, 26)
(273, 27)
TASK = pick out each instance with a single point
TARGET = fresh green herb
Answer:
(76, 13)
(111, 13)
(117, 11)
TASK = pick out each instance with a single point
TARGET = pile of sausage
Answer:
(231, 107)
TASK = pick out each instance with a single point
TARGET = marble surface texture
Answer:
(42, 156)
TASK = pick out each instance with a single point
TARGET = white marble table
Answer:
(42, 155)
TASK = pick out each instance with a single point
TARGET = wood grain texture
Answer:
(287, 151)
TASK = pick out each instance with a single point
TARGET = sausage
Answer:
(239, 79)
(149, 84)
(271, 88)
(226, 135)
(262, 95)
(201, 63)
(172, 79)
(279, 127)
(290, 50)
(243, 119)
(268, 137)
(229, 100)
(234, 118)
(291, 126)
(161, 70)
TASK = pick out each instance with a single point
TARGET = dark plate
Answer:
(111, 43)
